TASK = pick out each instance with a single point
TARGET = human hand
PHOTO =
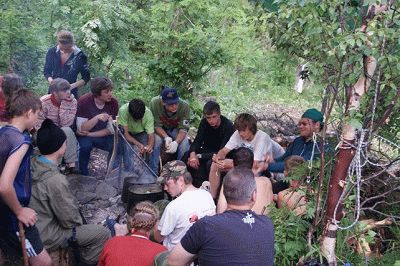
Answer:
(27, 216)
(148, 149)
(172, 147)
(50, 80)
(103, 117)
(224, 164)
(193, 161)
(82, 133)
(168, 141)
(215, 158)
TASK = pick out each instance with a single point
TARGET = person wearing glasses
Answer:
(66, 60)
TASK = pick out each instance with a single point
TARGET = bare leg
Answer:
(215, 180)
(43, 259)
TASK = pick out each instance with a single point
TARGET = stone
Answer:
(85, 197)
(104, 191)
(81, 183)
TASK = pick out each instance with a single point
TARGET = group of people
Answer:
(220, 222)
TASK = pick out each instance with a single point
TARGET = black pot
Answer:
(138, 193)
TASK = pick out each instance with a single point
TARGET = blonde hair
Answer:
(143, 216)
(65, 37)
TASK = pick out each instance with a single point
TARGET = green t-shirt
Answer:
(179, 120)
(146, 124)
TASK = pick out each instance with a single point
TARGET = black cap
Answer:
(50, 137)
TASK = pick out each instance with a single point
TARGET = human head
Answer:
(212, 114)
(239, 187)
(175, 177)
(143, 216)
(170, 99)
(136, 109)
(101, 88)
(60, 88)
(291, 164)
(11, 83)
(22, 102)
(246, 125)
(311, 121)
(65, 41)
(51, 139)
(243, 157)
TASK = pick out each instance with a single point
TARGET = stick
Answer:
(22, 239)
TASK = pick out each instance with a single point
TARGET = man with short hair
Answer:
(60, 106)
(138, 124)
(212, 135)
(189, 205)
(246, 135)
(236, 237)
(96, 110)
(311, 122)
(171, 123)
(243, 158)
(59, 220)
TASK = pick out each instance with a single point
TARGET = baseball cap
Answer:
(314, 115)
(169, 96)
(173, 169)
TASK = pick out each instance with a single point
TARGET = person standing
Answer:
(66, 60)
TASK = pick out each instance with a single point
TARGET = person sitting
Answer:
(15, 182)
(212, 135)
(311, 123)
(118, 250)
(237, 236)
(66, 60)
(9, 83)
(171, 123)
(243, 158)
(95, 113)
(59, 221)
(189, 204)
(60, 106)
(294, 196)
(246, 135)
(138, 124)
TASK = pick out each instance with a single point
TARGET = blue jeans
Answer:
(86, 144)
(143, 138)
(182, 148)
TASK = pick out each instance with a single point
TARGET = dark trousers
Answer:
(86, 144)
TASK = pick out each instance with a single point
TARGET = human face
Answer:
(246, 134)
(174, 187)
(33, 117)
(214, 120)
(66, 48)
(105, 95)
(62, 95)
(172, 108)
(307, 127)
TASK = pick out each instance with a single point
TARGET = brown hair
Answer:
(244, 121)
(100, 83)
(292, 162)
(21, 102)
(143, 216)
(59, 84)
(65, 37)
(11, 83)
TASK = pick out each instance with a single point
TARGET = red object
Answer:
(136, 250)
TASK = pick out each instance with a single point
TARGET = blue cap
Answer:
(169, 96)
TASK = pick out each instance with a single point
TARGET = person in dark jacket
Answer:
(312, 121)
(66, 60)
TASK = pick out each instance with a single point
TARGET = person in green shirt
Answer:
(138, 124)
(171, 123)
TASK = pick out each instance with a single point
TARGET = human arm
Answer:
(7, 192)
(131, 139)
(179, 256)
(78, 84)
(84, 70)
(67, 111)
(49, 64)
(84, 124)
(222, 204)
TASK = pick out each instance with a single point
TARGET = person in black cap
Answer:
(311, 122)
(59, 220)
(171, 123)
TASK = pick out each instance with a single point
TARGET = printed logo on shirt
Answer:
(247, 146)
(249, 219)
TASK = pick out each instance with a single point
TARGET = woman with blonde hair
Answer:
(135, 248)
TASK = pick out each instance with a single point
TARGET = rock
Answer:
(85, 197)
(105, 191)
(81, 183)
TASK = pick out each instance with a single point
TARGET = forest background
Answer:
(243, 53)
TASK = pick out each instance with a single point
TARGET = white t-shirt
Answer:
(260, 144)
(182, 212)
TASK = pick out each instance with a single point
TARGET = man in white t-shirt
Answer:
(190, 204)
(246, 135)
